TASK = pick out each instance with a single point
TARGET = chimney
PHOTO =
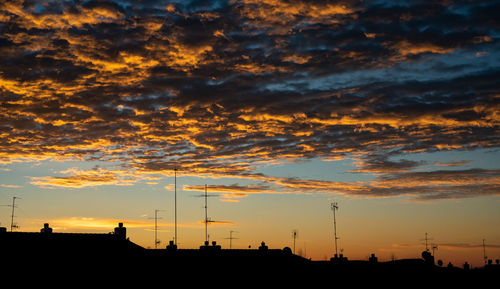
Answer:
(121, 231)
(46, 229)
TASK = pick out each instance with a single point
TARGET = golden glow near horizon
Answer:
(280, 107)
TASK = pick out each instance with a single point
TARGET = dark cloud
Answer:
(382, 164)
(219, 87)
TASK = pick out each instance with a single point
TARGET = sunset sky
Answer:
(389, 108)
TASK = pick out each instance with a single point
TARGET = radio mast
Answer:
(231, 238)
(175, 206)
(484, 253)
(156, 228)
(12, 225)
(207, 220)
(294, 235)
(335, 207)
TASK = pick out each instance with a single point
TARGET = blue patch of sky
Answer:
(388, 4)
(431, 67)
(20, 173)
(488, 159)
(459, 8)
(212, 82)
(39, 8)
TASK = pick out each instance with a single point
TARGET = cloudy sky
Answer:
(390, 108)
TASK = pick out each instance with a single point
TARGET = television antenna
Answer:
(427, 239)
(207, 219)
(231, 238)
(335, 207)
(12, 224)
(434, 247)
(157, 242)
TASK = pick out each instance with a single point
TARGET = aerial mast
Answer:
(156, 228)
(175, 205)
(294, 235)
(12, 226)
(434, 247)
(484, 252)
(207, 219)
(335, 207)
(231, 238)
(206, 215)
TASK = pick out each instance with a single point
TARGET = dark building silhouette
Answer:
(428, 258)
(339, 258)
(70, 254)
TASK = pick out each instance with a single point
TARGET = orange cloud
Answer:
(79, 179)
(90, 178)
(91, 223)
(406, 48)
(10, 186)
(66, 19)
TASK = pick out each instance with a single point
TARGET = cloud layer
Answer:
(219, 87)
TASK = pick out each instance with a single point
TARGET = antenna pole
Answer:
(206, 215)
(156, 229)
(484, 252)
(294, 237)
(426, 247)
(434, 247)
(175, 205)
(12, 216)
(230, 239)
(335, 207)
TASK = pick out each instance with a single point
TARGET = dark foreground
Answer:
(111, 260)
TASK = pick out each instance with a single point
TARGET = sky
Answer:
(389, 108)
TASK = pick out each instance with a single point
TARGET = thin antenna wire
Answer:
(335, 207)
